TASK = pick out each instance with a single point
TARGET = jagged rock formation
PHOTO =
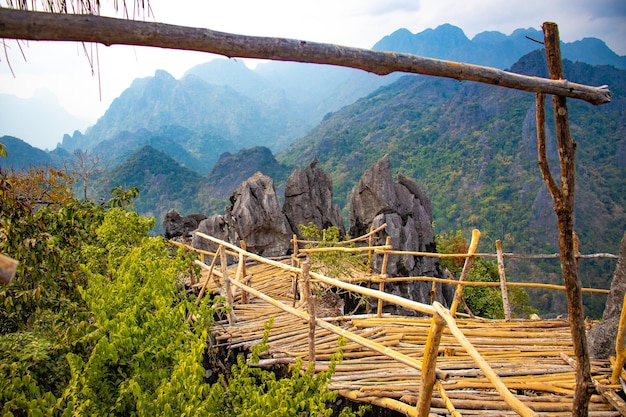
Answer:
(406, 210)
(257, 217)
(602, 336)
(254, 216)
(309, 198)
(176, 225)
(216, 226)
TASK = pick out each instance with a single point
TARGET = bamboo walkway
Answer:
(529, 357)
(434, 365)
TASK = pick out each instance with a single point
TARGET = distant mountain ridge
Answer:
(279, 102)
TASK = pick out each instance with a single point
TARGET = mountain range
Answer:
(189, 143)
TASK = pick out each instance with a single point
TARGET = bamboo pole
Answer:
(349, 250)
(310, 308)
(610, 395)
(377, 347)
(465, 272)
(206, 282)
(370, 254)
(427, 380)
(491, 284)
(620, 348)
(383, 276)
(229, 293)
(504, 255)
(495, 380)
(16, 24)
(446, 400)
(240, 274)
(505, 294)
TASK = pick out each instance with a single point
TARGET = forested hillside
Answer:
(473, 150)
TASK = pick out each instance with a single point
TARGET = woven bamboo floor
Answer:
(527, 355)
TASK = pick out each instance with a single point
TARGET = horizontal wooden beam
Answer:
(38, 26)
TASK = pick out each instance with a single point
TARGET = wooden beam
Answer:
(37, 26)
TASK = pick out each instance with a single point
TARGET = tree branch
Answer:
(541, 148)
(16, 24)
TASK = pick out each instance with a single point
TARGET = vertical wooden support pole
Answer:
(563, 196)
(206, 282)
(429, 372)
(229, 292)
(370, 253)
(383, 275)
(620, 349)
(243, 246)
(465, 272)
(310, 302)
(505, 293)
(239, 275)
(294, 277)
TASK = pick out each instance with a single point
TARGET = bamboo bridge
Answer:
(438, 364)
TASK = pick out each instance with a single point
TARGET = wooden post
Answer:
(427, 380)
(8, 267)
(465, 272)
(370, 253)
(240, 274)
(206, 282)
(505, 294)
(563, 196)
(229, 292)
(383, 275)
(513, 402)
(620, 350)
(245, 248)
(310, 302)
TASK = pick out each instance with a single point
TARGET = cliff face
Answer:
(406, 210)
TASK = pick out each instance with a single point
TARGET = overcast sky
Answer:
(64, 69)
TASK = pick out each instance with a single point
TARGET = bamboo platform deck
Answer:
(528, 356)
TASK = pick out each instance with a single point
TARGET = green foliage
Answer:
(147, 352)
(332, 264)
(482, 301)
(253, 392)
(97, 322)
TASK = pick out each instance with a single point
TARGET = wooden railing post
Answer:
(383, 275)
(505, 295)
(466, 268)
(370, 253)
(229, 292)
(310, 302)
(208, 278)
(620, 349)
(429, 375)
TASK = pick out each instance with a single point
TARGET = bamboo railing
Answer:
(441, 318)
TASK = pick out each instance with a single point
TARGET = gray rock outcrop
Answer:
(254, 216)
(176, 225)
(257, 217)
(406, 210)
(309, 198)
(601, 337)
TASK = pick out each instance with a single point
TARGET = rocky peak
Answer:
(309, 198)
(406, 210)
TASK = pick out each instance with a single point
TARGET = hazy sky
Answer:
(65, 70)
